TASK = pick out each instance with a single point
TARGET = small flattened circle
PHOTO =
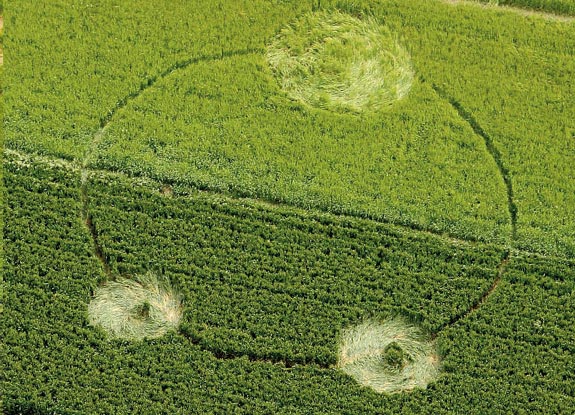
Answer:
(389, 356)
(133, 309)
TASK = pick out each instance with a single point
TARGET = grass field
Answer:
(288, 207)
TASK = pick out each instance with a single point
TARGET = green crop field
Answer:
(285, 207)
(561, 7)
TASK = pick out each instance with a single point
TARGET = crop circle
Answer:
(390, 356)
(335, 61)
(133, 309)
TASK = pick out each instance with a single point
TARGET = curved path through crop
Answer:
(495, 154)
(105, 122)
(92, 150)
(491, 149)
(25, 158)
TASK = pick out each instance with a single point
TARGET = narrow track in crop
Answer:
(481, 300)
(495, 154)
(105, 122)
(99, 252)
(57, 162)
(228, 355)
(287, 363)
(149, 83)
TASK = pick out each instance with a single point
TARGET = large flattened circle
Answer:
(335, 61)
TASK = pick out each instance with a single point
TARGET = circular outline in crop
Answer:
(335, 61)
(363, 355)
(133, 309)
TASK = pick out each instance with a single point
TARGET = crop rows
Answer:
(79, 77)
(521, 342)
(417, 161)
(180, 107)
(516, 84)
(267, 291)
(158, 142)
(279, 286)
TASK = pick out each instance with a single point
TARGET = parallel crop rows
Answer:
(416, 164)
(267, 291)
(560, 7)
(177, 157)
(279, 286)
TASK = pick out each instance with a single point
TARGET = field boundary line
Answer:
(521, 11)
(269, 204)
(26, 159)
(56, 162)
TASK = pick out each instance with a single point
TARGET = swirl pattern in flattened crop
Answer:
(335, 61)
(389, 356)
(133, 309)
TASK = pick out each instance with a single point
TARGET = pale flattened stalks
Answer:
(390, 356)
(133, 309)
(335, 61)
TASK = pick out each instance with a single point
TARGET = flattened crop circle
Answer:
(145, 307)
(390, 356)
(335, 61)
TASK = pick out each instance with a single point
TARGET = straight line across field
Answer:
(265, 290)
(421, 170)
(93, 224)
(99, 250)
(92, 150)
(24, 158)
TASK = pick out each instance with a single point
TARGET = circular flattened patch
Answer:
(145, 307)
(335, 61)
(390, 356)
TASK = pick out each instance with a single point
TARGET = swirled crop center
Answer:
(335, 61)
(389, 356)
(145, 307)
